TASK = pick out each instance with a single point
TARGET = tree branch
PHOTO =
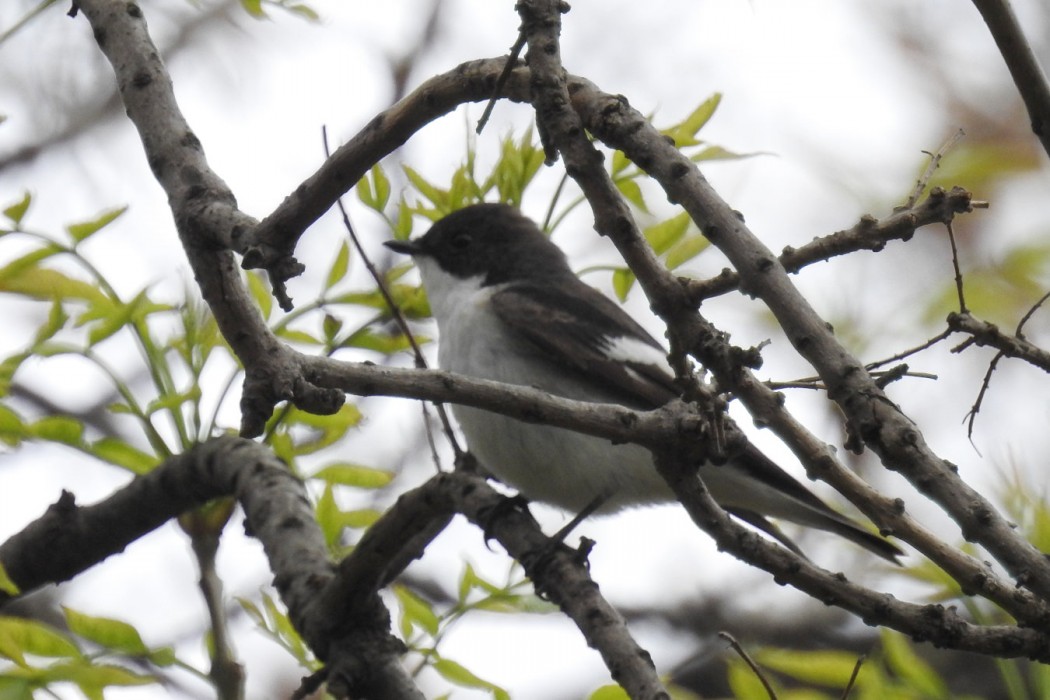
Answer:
(988, 334)
(1022, 62)
(68, 539)
(869, 234)
(871, 416)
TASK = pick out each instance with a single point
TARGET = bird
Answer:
(509, 308)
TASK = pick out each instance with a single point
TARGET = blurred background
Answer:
(832, 108)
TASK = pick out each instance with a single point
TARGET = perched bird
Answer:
(510, 309)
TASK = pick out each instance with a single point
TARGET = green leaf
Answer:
(743, 681)
(331, 327)
(685, 250)
(56, 320)
(632, 193)
(163, 657)
(116, 451)
(403, 224)
(293, 335)
(829, 668)
(385, 343)
(6, 584)
(470, 581)
(620, 162)
(328, 517)
(359, 518)
(438, 197)
(172, 402)
(285, 630)
(113, 317)
(12, 429)
(339, 266)
(665, 234)
(622, 280)
(720, 153)
(80, 231)
(253, 611)
(260, 291)
(92, 678)
(904, 662)
(37, 638)
(16, 211)
(684, 133)
(365, 193)
(348, 474)
(304, 11)
(415, 612)
(106, 632)
(460, 675)
(254, 8)
(61, 429)
(609, 692)
(8, 368)
(381, 187)
(43, 283)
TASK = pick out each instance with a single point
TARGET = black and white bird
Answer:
(510, 309)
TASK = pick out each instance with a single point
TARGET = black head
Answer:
(494, 240)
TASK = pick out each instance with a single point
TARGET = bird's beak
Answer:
(405, 247)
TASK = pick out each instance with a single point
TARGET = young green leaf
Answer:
(7, 585)
(106, 632)
(415, 612)
(622, 280)
(460, 675)
(81, 231)
(348, 474)
(438, 197)
(16, 211)
(665, 234)
(903, 661)
(684, 133)
(685, 250)
(632, 192)
(62, 429)
(117, 452)
(260, 292)
(37, 638)
(340, 265)
(381, 187)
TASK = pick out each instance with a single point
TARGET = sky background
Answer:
(840, 99)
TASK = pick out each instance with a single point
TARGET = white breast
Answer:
(547, 464)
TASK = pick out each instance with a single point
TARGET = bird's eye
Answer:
(461, 240)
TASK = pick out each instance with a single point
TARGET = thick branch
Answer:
(870, 234)
(68, 539)
(204, 210)
(988, 334)
(556, 571)
(935, 624)
(871, 416)
(1028, 75)
(276, 236)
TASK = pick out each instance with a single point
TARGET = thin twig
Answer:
(512, 60)
(971, 416)
(395, 312)
(750, 662)
(1024, 319)
(935, 162)
(883, 378)
(853, 677)
(958, 271)
(908, 353)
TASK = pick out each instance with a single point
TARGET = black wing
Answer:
(575, 330)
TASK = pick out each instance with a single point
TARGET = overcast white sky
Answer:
(819, 86)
